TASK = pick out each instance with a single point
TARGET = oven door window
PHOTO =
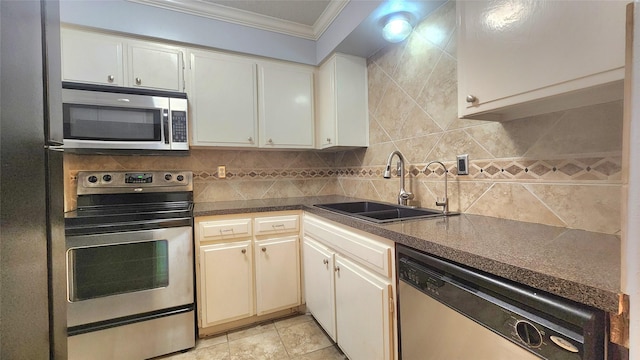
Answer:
(88, 122)
(117, 269)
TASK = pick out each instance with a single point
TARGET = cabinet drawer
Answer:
(277, 224)
(224, 229)
(369, 252)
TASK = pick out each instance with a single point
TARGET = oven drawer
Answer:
(276, 224)
(224, 229)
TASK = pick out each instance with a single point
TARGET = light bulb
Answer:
(396, 29)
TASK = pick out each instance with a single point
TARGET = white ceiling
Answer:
(306, 19)
(305, 12)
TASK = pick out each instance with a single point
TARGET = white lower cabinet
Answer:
(363, 313)
(277, 274)
(349, 288)
(226, 282)
(318, 278)
(248, 268)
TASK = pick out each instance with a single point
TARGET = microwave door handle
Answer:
(166, 127)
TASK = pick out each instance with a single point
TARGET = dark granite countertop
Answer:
(579, 265)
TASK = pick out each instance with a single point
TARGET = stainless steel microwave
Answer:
(122, 119)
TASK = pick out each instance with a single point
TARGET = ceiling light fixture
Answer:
(397, 27)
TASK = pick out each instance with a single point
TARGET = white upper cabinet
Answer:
(342, 111)
(96, 58)
(524, 58)
(223, 99)
(92, 58)
(155, 66)
(286, 106)
(239, 101)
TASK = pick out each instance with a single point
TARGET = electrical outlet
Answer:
(222, 172)
(463, 164)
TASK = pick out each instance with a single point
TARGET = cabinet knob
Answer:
(250, 139)
(471, 99)
(138, 81)
(336, 269)
(328, 140)
(325, 261)
(264, 249)
(110, 78)
(270, 141)
(244, 251)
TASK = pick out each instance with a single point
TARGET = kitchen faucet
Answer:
(445, 202)
(404, 196)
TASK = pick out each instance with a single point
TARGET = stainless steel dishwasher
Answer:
(450, 312)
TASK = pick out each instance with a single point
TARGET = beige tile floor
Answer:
(299, 338)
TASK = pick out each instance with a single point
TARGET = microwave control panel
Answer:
(179, 126)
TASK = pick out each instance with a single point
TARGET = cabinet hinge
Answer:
(184, 82)
(392, 305)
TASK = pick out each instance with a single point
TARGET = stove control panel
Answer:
(138, 178)
(97, 182)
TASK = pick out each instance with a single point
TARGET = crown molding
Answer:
(328, 15)
(247, 18)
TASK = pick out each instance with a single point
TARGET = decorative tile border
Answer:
(579, 169)
(246, 174)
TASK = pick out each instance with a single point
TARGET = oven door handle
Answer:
(93, 229)
(165, 122)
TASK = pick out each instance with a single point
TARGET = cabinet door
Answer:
(277, 274)
(516, 53)
(326, 123)
(91, 58)
(155, 66)
(342, 103)
(226, 282)
(318, 284)
(223, 99)
(286, 106)
(363, 312)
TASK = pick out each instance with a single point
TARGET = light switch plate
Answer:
(463, 164)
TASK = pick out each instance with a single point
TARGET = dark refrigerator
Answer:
(32, 265)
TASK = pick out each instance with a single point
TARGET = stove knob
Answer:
(93, 179)
(180, 177)
(106, 178)
(168, 177)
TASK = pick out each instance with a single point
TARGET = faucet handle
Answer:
(406, 195)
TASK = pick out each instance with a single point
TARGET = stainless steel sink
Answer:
(380, 212)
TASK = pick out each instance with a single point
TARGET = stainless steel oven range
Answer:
(130, 265)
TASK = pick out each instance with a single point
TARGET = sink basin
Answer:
(380, 212)
(358, 207)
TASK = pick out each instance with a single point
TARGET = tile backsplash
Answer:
(561, 168)
(250, 174)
